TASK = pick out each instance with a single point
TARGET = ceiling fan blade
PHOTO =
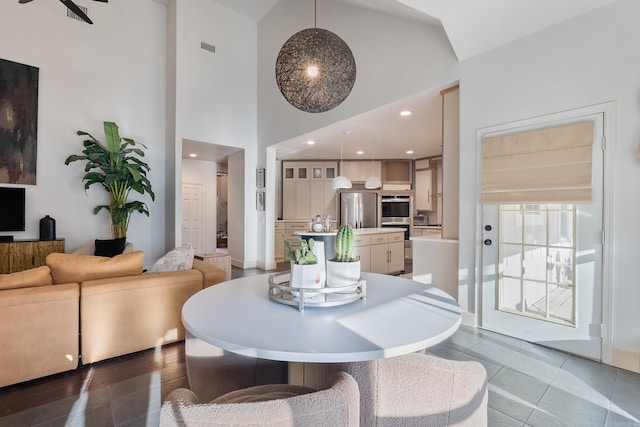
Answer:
(75, 9)
(24, 1)
(103, 1)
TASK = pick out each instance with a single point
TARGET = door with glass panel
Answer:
(542, 261)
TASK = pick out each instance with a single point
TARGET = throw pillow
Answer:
(72, 268)
(110, 247)
(178, 259)
(32, 277)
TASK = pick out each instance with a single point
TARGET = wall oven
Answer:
(396, 211)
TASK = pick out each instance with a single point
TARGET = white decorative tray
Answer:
(280, 291)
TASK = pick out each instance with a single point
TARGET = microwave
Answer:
(395, 207)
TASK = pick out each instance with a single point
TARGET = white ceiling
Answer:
(472, 26)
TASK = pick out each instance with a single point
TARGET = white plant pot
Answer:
(306, 276)
(342, 273)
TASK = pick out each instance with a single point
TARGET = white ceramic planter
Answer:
(306, 276)
(342, 273)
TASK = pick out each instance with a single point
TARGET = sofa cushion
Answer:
(262, 393)
(67, 268)
(39, 276)
(178, 259)
(110, 247)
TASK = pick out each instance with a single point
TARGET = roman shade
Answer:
(548, 165)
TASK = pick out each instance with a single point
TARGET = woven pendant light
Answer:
(315, 70)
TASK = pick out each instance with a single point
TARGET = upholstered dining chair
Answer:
(271, 405)
(420, 390)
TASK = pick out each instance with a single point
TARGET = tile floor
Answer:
(535, 386)
(529, 385)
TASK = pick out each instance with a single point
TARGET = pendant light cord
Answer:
(315, 13)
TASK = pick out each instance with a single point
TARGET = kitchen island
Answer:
(380, 250)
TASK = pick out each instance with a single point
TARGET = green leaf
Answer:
(112, 136)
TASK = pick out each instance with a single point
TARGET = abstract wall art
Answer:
(18, 122)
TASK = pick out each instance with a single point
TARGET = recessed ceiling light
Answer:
(359, 152)
(193, 155)
(409, 151)
(310, 142)
(405, 113)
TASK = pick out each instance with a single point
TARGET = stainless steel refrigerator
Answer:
(359, 210)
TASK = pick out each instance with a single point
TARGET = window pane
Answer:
(511, 294)
(561, 302)
(561, 266)
(561, 228)
(511, 223)
(535, 297)
(511, 260)
(535, 228)
(535, 263)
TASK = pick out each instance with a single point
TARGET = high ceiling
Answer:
(472, 26)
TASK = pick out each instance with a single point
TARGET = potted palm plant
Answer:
(305, 270)
(115, 165)
(343, 270)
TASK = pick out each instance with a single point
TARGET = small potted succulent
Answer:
(343, 270)
(305, 270)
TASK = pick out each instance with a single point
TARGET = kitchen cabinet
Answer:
(423, 198)
(396, 172)
(362, 251)
(361, 170)
(306, 190)
(23, 255)
(387, 253)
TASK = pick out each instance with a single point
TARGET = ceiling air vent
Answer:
(71, 14)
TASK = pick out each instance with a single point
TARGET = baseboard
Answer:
(626, 359)
(469, 319)
(267, 265)
(243, 264)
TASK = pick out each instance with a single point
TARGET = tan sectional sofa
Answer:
(82, 308)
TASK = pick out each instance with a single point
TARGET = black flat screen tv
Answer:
(12, 209)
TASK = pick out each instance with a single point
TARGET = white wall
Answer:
(216, 95)
(112, 70)
(205, 173)
(589, 60)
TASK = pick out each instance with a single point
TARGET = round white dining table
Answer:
(398, 316)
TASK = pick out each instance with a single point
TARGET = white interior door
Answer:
(542, 268)
(193, 216)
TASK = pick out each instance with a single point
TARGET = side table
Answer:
(219, 260)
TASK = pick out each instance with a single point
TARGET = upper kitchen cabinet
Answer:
(306, 189)
(361, 170)
(396, 172)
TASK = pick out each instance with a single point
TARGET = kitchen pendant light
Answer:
(315, 70)
(341, 181)
(373, 181)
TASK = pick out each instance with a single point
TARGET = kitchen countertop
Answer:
(436, 227)
(356, 231)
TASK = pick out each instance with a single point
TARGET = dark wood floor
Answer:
(125, 391)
